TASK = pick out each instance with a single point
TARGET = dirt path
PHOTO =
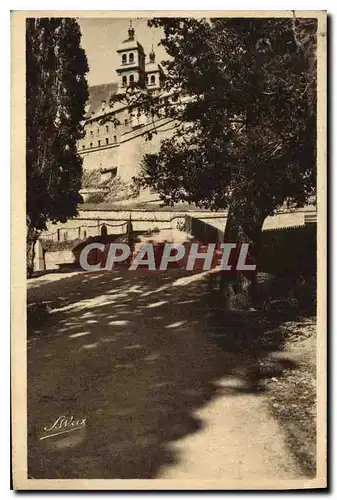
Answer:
(146, 361)
(240, 441)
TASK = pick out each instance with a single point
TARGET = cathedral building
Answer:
(116, 148)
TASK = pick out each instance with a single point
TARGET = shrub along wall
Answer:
(288, 250)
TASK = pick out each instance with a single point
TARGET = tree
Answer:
(243, 94)
(56, 93)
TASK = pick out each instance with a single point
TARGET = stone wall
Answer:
(54, 259)
(169, 222)
(128, 152)
(286, 219)
(89, 221)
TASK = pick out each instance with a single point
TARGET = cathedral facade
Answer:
(117, 147)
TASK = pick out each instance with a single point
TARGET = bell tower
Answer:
(154, 73)
(131, 69)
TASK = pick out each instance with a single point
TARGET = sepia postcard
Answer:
(168, 271)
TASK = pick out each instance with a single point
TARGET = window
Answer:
(115, 138)
(153, 79)
(115, 125)
(98, 131)
(124, 59)
(98, 143)
(131, 58)
(106, 141)
(83, 146)
(91, 144)
(91, 133)
(124, 81)
(126, 122)
(132, 78)
(107, 128)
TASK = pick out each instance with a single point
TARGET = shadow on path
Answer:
(136, 356)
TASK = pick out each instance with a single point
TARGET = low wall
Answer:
(285, 219)
(288, 242)
(90, 221)
(54, 259)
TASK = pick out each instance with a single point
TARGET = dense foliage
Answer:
(243, 92)
(242, 95)
(56, 93)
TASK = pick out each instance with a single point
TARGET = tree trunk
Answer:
(32, 237)
(239, 288)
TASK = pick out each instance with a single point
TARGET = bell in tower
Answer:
(154, 72)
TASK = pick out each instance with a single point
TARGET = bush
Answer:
(91, 178)
(58, 246)
(96, 198)
(290, 250)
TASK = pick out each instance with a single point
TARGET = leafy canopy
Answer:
(56, 93)
(243, 97)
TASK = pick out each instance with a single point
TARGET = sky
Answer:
(101, 37)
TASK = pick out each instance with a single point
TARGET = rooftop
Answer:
(97, 94)
(129, 45)
(153, 66)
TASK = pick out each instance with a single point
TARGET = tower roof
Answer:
(152, 66)
(97, 94)
(130, 43)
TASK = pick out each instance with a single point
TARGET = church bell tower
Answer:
(154, 73)
(131, 67)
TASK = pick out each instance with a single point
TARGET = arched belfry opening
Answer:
(132, 59)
